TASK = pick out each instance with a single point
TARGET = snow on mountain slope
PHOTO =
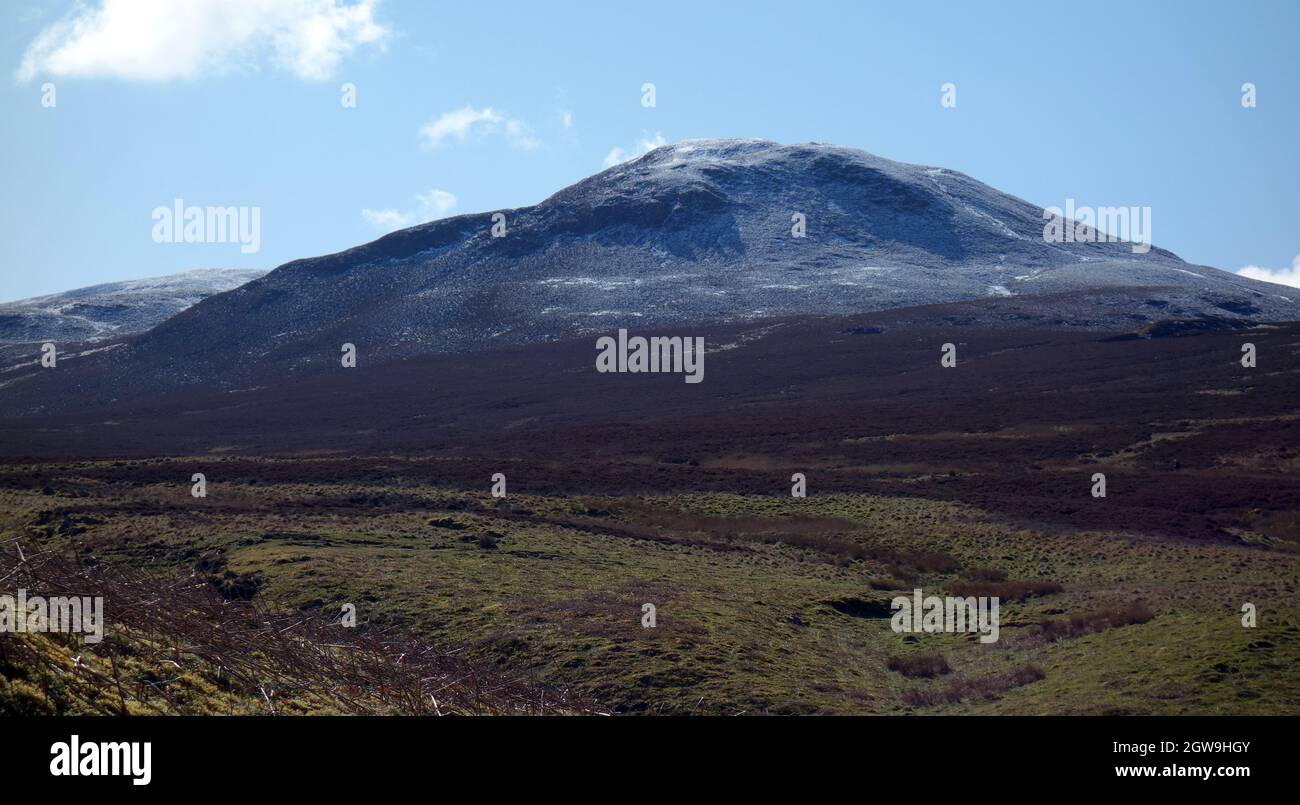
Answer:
(700, 231)
(115, 308)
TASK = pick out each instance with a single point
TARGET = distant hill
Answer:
(114, 308)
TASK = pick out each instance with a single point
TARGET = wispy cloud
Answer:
(429, 206)
(160, 40)
(645, 145)
(467, 122)
(1282, 276)
(388, 220)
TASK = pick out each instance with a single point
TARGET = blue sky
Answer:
(467, 107)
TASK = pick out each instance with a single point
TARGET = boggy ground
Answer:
(764, 604)
(373, 488)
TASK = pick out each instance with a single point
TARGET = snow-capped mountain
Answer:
(114, 308)
(700, 231)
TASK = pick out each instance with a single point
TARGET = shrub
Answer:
(1005, 590)
(885, 583)
(1085, 622)
(922, 665)
(447, 522)
(985, 574)
(988, 687)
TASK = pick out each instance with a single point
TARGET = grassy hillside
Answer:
(764, 604)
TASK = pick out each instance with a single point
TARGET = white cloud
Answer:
(1282, 276)
(458, 124)
(440, 201)
(429, 206)
(388, 220)
(160, 40)
(566, 119)
(468, 121)
(644, 146)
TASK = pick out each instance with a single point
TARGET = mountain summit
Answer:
(699, 231)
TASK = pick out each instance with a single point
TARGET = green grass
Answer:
(552, 588)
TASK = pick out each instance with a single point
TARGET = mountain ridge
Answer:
(698, 231)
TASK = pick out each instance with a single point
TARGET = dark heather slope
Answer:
(691, 233)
